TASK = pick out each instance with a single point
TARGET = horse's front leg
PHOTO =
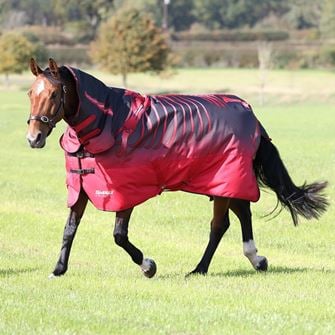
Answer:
(219, 225)
(76, 213)
(148, 266)
(242, 210)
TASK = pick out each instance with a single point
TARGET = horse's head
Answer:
(47, 98)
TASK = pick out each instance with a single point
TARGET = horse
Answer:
(122, 148)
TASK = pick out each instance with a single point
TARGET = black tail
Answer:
(306, 200)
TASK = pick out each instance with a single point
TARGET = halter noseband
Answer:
(50, 122)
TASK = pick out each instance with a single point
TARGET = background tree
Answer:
(87, 11)
(327, 24)
(39, 51)
(56, 12)
(34, 11)
(303, 14)
(180, 13)
(15, 51)
(215, 14)
(130, 42)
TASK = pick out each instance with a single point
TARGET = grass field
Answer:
(105, 293)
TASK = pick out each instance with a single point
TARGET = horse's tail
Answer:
(307, 200)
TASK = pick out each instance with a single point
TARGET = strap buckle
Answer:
(82, 171)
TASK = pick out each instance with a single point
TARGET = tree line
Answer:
(124, 36)
(182, 14)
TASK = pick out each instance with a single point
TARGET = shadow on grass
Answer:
(245, 273)
(239, 273)
(15, 272)
(169, 276)
(272, 270)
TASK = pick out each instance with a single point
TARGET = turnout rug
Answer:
(123, 148)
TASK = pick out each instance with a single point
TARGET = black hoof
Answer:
(149, 267)
(59, 271)
(263, 265)
(196, 272)
(55, 274)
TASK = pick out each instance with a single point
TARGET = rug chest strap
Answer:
(81, 154)
(82, 171)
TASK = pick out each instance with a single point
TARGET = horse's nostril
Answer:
(38, 137)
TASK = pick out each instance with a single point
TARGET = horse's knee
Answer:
(121, 240)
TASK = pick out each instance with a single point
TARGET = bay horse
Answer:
(122, 148)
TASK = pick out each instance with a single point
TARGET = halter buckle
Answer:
(44, 119)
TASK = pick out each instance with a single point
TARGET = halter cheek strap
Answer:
(50, 122)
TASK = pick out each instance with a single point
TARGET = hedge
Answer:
(231, 36)
(70, 55)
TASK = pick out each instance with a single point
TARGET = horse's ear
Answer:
(35, 69)
(53, 68)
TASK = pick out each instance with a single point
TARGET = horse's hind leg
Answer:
(242, 209)
(219, 225)
(122, 218)
(76, 213)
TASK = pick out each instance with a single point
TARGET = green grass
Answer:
(105, 293)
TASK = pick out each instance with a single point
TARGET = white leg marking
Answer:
(145, 266)
(250, 251)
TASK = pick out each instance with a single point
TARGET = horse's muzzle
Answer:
(37, 141)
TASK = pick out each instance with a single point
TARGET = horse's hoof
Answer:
(262, 265)
(52, 276)
(196, 272)
(148, 267)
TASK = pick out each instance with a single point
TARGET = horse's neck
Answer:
(96, 102)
